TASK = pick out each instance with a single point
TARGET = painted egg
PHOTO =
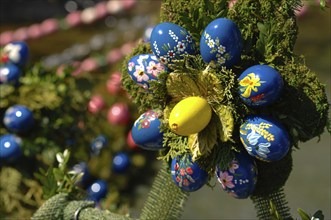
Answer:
(114, 85)
(119, 114)
(239, 179)
(96, 104)
(98, 144)
(143, 68)
(10, 147)
(97, 190)
(260, 85)
(146, 131)
(9, 73)
(130, 142)
(190, 116)
(221, 42)
(187, 174)
(121, 162)
(18, 118)
(147, 34)
(16, 52)
(82, 168)
(170, 42)
(264, 138)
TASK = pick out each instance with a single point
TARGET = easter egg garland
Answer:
(218, 143)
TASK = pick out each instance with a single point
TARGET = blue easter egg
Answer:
(221, 42)
(98, 144)
(97, 190)
(16, 53)
(264, 138)
(187, 174)
(146, 131)
(240, 178)
(170, 42)
(121, 162)
(82, 168)
(10, 147)
(260, 85)
(18, 118)
(147, 34)
(143, 68)
(9, 73)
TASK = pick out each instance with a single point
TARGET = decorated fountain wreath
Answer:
(221, 91)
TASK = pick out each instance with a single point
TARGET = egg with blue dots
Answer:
(143, 68)
(240, 177)
(170, 42)
(18, 118)
(121, 162)
(146, 131)
(10, 74)
(97, 190)
(187, 174)
(221, 43)
(98, 143)
(260, 85)
(264, 138)
(16, 52)
(10, 147)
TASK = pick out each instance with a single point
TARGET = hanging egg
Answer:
(82, 168)
(260, 85)
(143, 68)
(190, 116)
(16, 53)
(146, 131)
(240, 178)
(221, 42)
(10, 147)
(119, 114)
(170, 42)
(18, 118)
(96, 104)
(147, 34)
(114, 85)
(121, 162)
(264, 138)
(9, 73)
(187, 174)
(98, 144)
(97, 190)
(130, 142)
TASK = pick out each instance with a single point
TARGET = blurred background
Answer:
(309, 186)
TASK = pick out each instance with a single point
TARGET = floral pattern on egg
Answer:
(143, 68)
(170, 42)
(240, 178)
(264, 138)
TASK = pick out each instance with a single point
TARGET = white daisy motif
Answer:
(181, 46)
(211, 43)
(189, 38)
(164, 59)
(171, 54)
(221, 60)
(221, 49)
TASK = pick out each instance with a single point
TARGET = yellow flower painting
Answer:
(249, 84)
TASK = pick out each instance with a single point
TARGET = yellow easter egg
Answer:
(190, 116)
